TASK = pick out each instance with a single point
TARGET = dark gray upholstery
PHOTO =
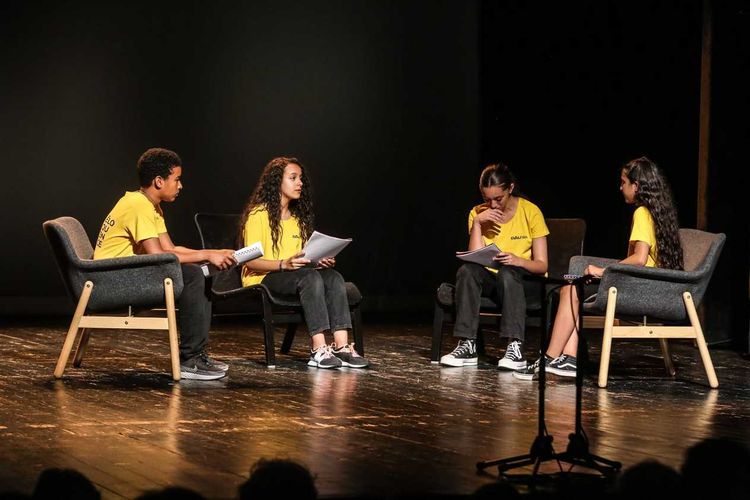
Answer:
(657, 293)
(564, 241)
(230, 297)
(136, 281)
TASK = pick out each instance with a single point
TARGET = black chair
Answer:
(100, 288)
(564, 242)
(229, 297)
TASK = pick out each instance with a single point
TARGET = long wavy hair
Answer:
(655, 194)
(267, 194)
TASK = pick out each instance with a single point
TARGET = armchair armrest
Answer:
(579, 262)
(129, 281)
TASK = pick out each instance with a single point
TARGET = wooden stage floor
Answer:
(401, 428)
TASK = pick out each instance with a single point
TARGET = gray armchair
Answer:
(642, 302)
(111, 285)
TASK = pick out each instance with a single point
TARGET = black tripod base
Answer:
(541, 451)
(577, 454)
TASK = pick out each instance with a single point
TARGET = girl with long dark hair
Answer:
(654, 242)
(280, 215)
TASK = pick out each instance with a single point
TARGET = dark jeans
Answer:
(194, 315)
(322, 294)
(508, 287)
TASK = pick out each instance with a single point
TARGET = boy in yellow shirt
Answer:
(136, 226)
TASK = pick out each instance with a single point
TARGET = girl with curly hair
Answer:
(280, 215)
(654, 242)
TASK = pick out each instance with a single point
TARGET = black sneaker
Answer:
(196, 368)
(213, 362)
(531, 372)
(464, 354)
(322, 357)
(350, 357)
(564, 366)
(513, 359)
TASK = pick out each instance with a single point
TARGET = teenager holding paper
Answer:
(280, 215)
(517, 227)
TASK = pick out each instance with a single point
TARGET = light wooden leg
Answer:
(668, 364)
(609, 320)
(700, 339)
(174, 350)
(83, 341)
(73, 330)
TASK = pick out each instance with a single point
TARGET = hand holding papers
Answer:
(483, 256)
(320, 246)
(242, 255)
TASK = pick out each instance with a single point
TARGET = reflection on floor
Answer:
(403, 427)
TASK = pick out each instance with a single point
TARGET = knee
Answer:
(332, 278)
(509, 278)
(310, 280)
(469, 272)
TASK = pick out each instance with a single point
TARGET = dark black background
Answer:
(393, 106)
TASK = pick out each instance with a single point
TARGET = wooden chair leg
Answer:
(609, 320)
(268, 340)
(286, 345)
(174, 348)
(713, 381)
(73, 330)
(357, 330)
(437, 333)
(83, 341)
(668, 364)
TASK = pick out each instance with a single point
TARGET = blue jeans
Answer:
(322, 294)
(508, 287)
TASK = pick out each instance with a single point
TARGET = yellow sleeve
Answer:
(472, 214)
(643, 227)
(537, 225)
(142, 224)
(254, 229)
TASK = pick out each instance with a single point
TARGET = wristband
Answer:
(281, 262)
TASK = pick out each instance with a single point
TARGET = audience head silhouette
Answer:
(717, 468)
(64, 484)
(278, 478)
(649, 480)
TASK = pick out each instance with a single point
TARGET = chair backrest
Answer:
(701, 251)
(564, 241)
(217, 230)
(70, 245)
(220, 231)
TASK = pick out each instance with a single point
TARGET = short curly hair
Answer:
(156, 162)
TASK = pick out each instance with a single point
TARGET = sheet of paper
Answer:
(483, 256)
(321, 245)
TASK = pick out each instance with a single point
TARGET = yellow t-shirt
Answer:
(516, 235)
(258, 228)
(643, 230)
(133, 219)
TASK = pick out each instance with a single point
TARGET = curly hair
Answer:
(156, 162)
(267, 195)
(655, 194)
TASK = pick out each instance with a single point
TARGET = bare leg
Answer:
(341, 337)
(318, 340)
(564, 338)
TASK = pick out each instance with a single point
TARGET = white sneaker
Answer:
(513, 359)
(322, 357)
(465, 354)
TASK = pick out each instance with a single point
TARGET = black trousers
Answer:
(194, 315)
(508, 287)
(321, 292)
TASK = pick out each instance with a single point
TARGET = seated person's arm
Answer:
(538, 262)
(266, 266)
(163, 244)
(637, 256)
